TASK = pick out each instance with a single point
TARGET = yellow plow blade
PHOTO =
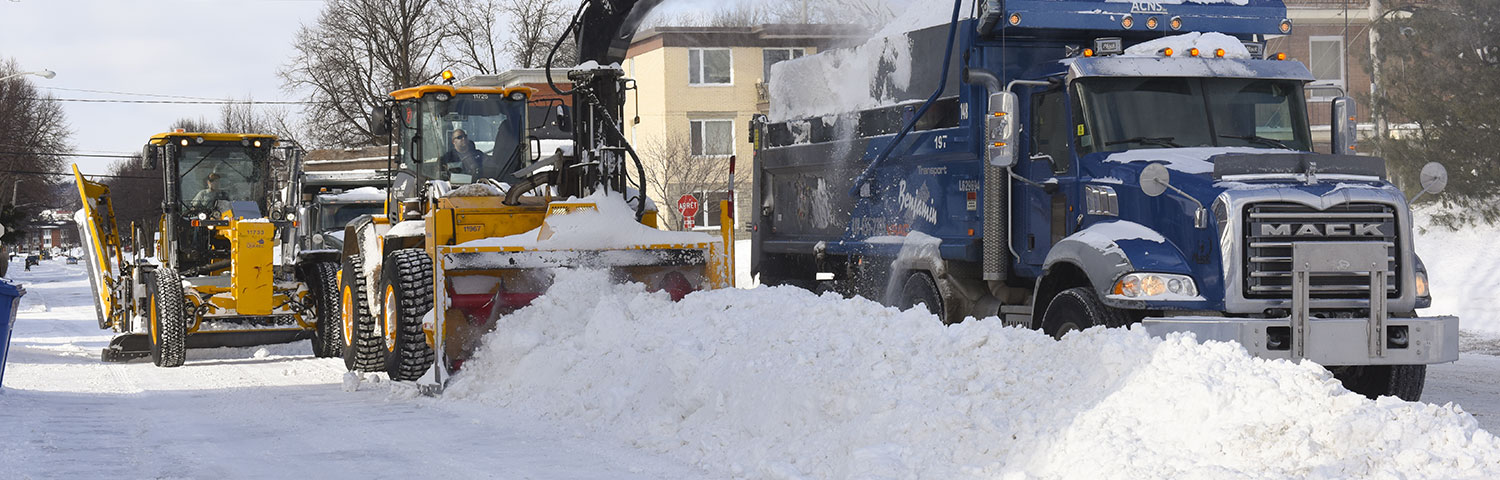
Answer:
(101, 239)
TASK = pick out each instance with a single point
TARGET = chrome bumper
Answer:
(1327, 341)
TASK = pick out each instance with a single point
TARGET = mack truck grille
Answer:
(1271, 228)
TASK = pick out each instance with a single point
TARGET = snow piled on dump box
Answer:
(613, 225)
(780, 383)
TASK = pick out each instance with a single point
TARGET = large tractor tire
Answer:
(168, 319)
(1401, 381)
(1079, 308)
(364, 351)
(406, 296)
(322, 285)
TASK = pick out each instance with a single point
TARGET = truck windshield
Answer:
(334, 216)
(1168, 112)
(471, 136)
(212, 173)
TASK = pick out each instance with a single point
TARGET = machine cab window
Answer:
(465, 137)
(215, 175)
(1050, 129)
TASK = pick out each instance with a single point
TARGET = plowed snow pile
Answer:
(779, 383)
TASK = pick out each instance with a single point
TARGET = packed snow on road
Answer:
(601, 380)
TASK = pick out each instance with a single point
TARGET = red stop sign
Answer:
(688, 205)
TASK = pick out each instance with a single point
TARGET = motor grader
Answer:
(472, 230)
(220, 271)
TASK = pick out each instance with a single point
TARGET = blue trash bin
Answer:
(10, 302)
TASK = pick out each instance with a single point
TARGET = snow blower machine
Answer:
(478, 222)
(220, 270)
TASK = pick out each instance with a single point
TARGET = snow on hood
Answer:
(1192, 160)
(781, 383)
(1206, 43)
(361, 194)
(477, 190)
(613, 225)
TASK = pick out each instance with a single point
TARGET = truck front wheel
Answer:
(919, 289)
(328, 337)
(168, 319)
(1401, 381)
(1078, 308)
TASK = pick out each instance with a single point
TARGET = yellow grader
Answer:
(220, 272)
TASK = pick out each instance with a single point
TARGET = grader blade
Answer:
(101, 241)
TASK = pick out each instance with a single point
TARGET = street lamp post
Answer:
(44, 73)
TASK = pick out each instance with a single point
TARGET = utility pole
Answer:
(1375, 16)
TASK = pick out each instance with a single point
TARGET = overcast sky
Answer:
(225, 49)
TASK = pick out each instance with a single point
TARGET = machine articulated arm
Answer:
(602, 30)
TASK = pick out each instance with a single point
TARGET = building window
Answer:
(713, 137)
(1326, 60)
(772, 56)
(708, 208)
(710, 66)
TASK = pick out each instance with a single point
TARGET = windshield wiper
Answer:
(1158, 141)
(1270, 142)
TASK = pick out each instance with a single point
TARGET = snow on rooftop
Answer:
(1206, 43)
(781, 383)
(361, 194)
(1192, 160)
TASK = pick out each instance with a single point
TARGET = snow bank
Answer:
(779, 383)
(613, 225)
(1463, 281)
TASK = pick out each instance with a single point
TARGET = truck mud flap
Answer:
(138, 345)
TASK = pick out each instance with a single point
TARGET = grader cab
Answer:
(220, 272)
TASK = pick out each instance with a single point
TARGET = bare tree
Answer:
(535, 26)
(473, 43)
(672, 170)
(33, 137)
(354, 55)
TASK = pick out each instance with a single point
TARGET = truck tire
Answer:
(1079, 308)
(1401, 381)
(322, 284)
(921, 289)
(406, 296)
(363, 347)
(168, 320)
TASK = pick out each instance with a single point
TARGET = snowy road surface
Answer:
(606, 381)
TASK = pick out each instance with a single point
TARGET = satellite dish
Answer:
(1154, 179)
(1434, 177)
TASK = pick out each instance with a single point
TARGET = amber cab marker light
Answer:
(1127, 22)
(1219, 53)
(1193, 52)
(1015, 19)
(1167, 51)
(1281, 55)
(1151, 23)
(1088, 52)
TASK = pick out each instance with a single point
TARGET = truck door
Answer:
(1044, 209)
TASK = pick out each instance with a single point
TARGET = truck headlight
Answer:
(1155, 286)
(1421, 284)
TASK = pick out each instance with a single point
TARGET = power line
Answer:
(27, 172)
(49, 154)
(110, 92)
(188, 102)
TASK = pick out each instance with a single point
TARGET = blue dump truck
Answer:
(1062, 164)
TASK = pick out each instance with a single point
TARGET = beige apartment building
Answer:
(696, 89)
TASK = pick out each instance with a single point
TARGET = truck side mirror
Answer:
(1344, 126)
(564, 124)
(1000, 129)
(380, 121)
(149, 157)
(1433, 179)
